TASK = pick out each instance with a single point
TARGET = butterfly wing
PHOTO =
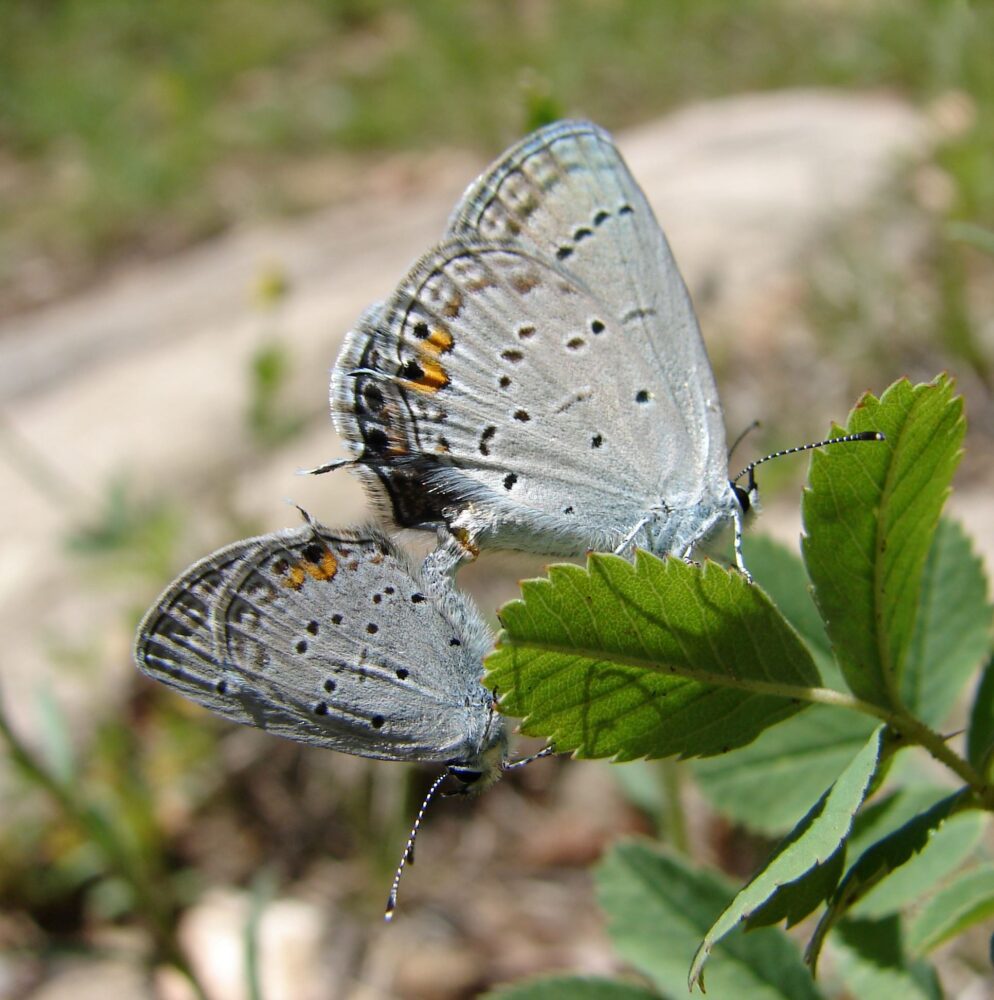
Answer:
(330, 639)
(544, 380)
(565, 193)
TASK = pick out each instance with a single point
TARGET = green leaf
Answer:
(782, 575)
(658, 908)
(952, 630)
(54, 735)
(877, 862)
(793, 901)
(966, 901)
(770, 784)
(813, 843)
(872, 965)
(887, 814)
(869, 514)
(980, 736)
(575, 987)
(647, 660)
(948, 847)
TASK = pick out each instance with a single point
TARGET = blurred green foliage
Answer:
(267, 416)
(272, 415)
(88, 846)
(138, 533)
(134, 126)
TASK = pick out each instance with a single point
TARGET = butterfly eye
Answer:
(467, 775)
(742, 496)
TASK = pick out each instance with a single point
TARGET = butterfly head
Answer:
(747, 496)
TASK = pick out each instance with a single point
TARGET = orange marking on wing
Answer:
(397, 444)
(322, 567)
(432, 378)
(480, 284)
(439, 341)
(325, 569)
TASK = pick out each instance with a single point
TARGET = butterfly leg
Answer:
(441, 563)
(629, 539)
(739, 558)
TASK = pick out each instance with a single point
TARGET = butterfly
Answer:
(538, 381)
(338, 640)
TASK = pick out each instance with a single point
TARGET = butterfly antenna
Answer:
(320, 470)
(750, 469)
(544, 752)
(408, 855)
(755, 425)
(303, 513)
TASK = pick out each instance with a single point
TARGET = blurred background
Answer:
(196, 201)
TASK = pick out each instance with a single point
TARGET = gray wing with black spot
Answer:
(328, 638)
(565, 194)
(540, 380)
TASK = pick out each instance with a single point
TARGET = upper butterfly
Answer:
(538, 381)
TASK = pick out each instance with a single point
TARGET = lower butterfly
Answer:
(336, 639)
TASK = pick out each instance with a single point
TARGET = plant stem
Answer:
(674, 816)
(263, 890)
(911, 728)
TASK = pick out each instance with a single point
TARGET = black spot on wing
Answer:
(485, 438)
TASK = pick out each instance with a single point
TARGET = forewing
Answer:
(326, 638)
(565, 193)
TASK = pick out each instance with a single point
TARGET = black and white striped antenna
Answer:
(407, 858)
(748, 495)
(749, 470)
